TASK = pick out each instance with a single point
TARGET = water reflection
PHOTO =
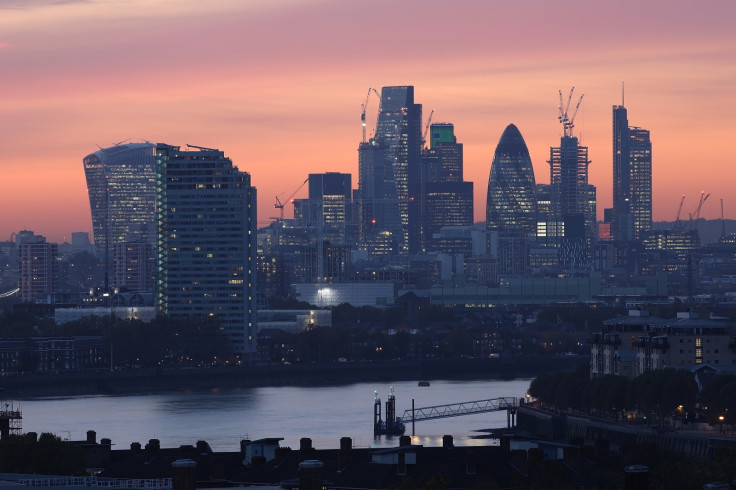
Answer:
(223, 418)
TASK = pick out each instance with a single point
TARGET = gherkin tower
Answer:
(511, 205)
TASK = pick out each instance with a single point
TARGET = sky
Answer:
(278, 86)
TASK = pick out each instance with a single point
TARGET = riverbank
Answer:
(141, 381)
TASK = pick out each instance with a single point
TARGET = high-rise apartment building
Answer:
(632, 178)
(391, 166)
(121, 182)
(207, 224)
(39, 268)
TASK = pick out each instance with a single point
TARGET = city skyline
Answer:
(281, 96)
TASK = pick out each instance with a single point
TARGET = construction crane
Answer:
(678, 223)
(426, 128)
(364, 107)
(280, 205)
(696, 212)
(567, 119)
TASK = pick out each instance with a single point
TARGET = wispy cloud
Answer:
(35, 4)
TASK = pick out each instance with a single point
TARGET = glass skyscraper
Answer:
(640, 166)
(632, 178)
(511, 204)
(207, 224)
(399, 132)
(121, 182)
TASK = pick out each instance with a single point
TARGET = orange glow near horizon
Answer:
(277, 85)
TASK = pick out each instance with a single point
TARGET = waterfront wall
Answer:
(563, 428)
(149, 381)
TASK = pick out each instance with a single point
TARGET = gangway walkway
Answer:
(457, 409)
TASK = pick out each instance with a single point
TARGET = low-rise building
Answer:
(637, 343)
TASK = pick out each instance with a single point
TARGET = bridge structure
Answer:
(510, 404)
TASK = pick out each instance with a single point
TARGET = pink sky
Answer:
(277, 85)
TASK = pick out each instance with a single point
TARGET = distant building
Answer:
(294, 321)
(637, 343)
(446, 199)
(511, 206)
(39, 268)
(390, 172)
(357, 294)
(121, 182)
(573, 200)
(207, 241)
(632, 179)
(329, 206)
(512, 199)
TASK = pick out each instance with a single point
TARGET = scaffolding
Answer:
(10, 420)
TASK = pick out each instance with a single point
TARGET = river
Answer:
(223, 418)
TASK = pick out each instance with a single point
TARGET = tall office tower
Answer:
(640, 164)
(446, 199)
(375, 210)
(329, 205)
(206, 213)
(443, 160)
(632, 178)
(38, 267)
(621, 223)
(511, 205)
(399, 132)
(121, 182)
(573, 199)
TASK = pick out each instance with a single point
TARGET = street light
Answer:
(721, 418)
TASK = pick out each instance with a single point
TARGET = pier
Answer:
(510, 404)
(395, 425)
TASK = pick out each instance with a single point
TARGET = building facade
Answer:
(399, 139)
(573, 201)
(446, 199)
(121, 182)
(329, 206)
(632, 179)
(511, 205)
(207, 227)
(38, 269)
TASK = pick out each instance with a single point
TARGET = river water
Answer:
(223, 418)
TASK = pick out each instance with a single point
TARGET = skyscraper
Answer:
(446, 199)
(640, 166)
(399, 135)
(621, 226)
(512, 200)
(511, 204)
(121, 182)
(329, 205)
(207, 241)
(632, 178)
(573, 199)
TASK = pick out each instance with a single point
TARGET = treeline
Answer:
(663, 392)
(132, 342)
(47, 455)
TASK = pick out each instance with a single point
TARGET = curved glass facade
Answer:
(512, 199)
